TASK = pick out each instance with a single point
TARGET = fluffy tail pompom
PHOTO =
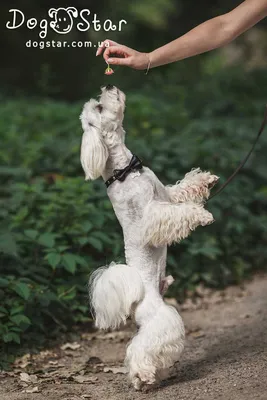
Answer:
(113, 290)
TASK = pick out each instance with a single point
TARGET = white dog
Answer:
(152, 216)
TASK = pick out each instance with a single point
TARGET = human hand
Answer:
(117, 54)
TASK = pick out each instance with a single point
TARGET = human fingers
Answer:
(104, 45)
(135, 60)
(117, 51)
(120, 61)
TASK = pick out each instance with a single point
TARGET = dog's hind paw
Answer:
(145, 381)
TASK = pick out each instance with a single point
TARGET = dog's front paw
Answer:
(212, 180)
(206, 218)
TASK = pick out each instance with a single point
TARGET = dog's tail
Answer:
(113, 291)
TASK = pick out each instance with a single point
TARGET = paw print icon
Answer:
(62, 19)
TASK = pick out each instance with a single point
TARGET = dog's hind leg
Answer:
(164, 223)
(113, 291)
(195, 186)
(157, 345)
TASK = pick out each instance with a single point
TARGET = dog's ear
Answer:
(52, 12)
(94, 152)
(73, 11)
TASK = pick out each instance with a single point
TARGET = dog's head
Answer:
(102, 126)
(63, 19)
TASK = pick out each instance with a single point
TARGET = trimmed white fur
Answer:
(195, 187)
(108, 286)
(165, 223)
(152, 216)
(156, 347)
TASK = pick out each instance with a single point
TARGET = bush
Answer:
(56, 228)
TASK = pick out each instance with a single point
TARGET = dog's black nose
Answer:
(109, 87)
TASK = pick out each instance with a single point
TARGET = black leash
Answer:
(241, 165)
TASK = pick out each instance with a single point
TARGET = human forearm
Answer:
(212, 34)
(207, 36)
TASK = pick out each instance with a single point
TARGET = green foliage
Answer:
(56, 228)
(211, 124)
(152, 14)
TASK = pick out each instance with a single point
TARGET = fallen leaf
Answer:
(6, 373)
(46, 353)
(24, 377)
(94, 361)
(94, 365)
(197, 334)
(85, 378)
(116, 336)
(24, 365)
(23, 361)
(89, 336)
(71, 346)
(33, 390)
(53, 362)
(114, 370)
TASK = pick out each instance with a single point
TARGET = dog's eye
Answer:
(99, 107)
(90, 124)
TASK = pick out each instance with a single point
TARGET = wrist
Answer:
(150, 57)
(147, 63)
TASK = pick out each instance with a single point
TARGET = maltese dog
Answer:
(152, 216)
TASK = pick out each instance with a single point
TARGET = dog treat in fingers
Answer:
(109, 71)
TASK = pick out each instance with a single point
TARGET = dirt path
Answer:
(225, 358)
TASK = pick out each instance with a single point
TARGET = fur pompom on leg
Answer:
(113, 290)
(164, 223)
(156, 347)
(195, 186)
(165, 283)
